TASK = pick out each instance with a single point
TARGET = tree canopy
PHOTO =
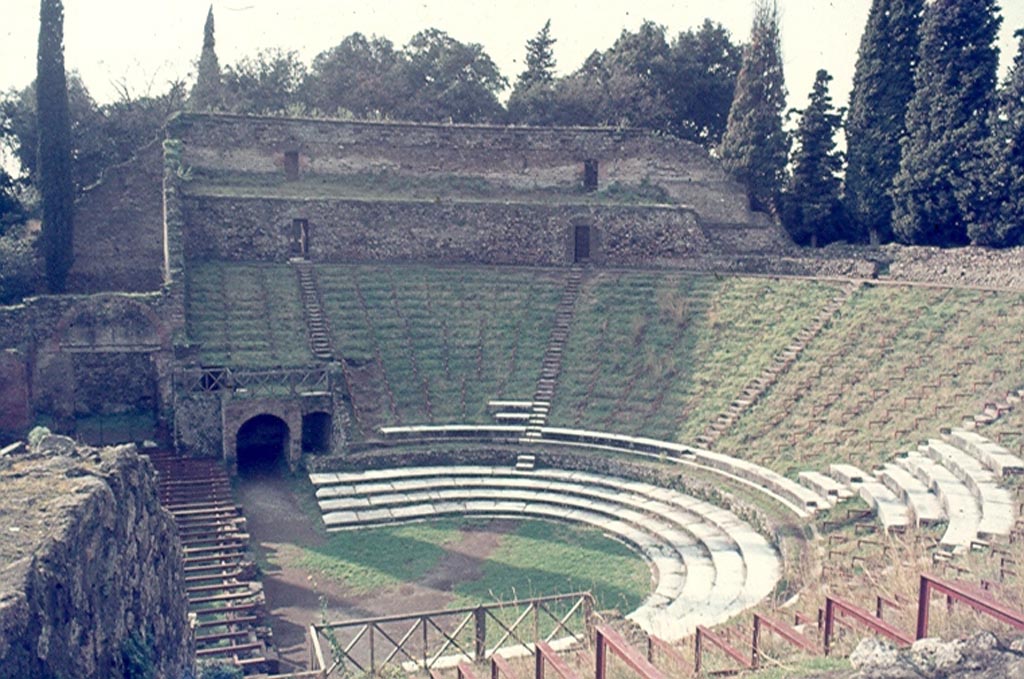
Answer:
(883, 84)
(755, 147)
(813, 213)
(942, 167)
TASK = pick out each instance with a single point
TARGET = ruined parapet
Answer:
(92, 580)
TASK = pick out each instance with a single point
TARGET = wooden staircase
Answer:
(221, 580)
(317, 329)
(552, 364)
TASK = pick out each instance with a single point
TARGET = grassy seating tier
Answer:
(444, 340)
(660, 354)
(247, 315)
(895, 366)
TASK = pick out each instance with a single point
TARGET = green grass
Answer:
(247, 315)
(542, 558)
(894, 367)
(536, 559)
(377, 558)
(386, 185)
(660, 354)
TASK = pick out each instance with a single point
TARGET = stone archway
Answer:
(261, 445)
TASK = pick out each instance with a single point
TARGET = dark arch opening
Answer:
(316, 433)
(261, 445)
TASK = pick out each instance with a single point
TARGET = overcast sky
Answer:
(146, 43)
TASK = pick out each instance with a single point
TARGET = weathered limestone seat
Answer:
(709, 564)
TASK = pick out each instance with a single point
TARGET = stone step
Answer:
(994, 456)
(890, 511)
(924, 505)
(848, 474)
(959, 505)
(825, 486)
(996, 503)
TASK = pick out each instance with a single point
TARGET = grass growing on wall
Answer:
(247, 314)
(660, 354)
(445, 340)
(894, 367)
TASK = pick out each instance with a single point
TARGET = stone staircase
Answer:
(317, 329)
(708, 563)
(552, 364)
(781, 363)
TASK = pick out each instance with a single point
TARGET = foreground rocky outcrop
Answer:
(982, 656)
(91, 582)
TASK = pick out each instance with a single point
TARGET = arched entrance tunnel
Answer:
(261, 445)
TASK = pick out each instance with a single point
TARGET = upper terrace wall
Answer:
(119, 228)
(510, 158)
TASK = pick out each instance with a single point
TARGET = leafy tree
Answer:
(754, 147)
(883, 84)
(269, 83)
(813, 213)
(447, 80)
(1002, 222)
(532, 98)
(699, 82)
(101, 136)
(11, 209)
(207, 94)
(360, 76)
(941, 166)
(621, 86)
(19, 266)
(54, 126)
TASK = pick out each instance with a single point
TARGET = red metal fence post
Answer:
(601, 661)
(830, 613)
(924, 595)
(697, 649)
(755, 642)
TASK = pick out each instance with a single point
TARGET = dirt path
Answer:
(279, 527)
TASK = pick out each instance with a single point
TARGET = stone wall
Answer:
(119, 228)
(513, 158)
(479, 232)
(88, 354)
(92, 565)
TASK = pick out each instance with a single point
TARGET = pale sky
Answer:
(146, 43)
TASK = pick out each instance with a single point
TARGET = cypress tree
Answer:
(883, 84)
(754, 147)
(207, 94)
(1003, 222)
(532, 99)
(812, 212)
(55, 183)
(937, 188)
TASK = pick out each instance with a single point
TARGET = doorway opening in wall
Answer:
(300, 238)
(291, 165)
(261, 446)
(581, 244)
(316, 433)
(590, 175)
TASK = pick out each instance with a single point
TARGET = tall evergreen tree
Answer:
(540, 58)
(55, 184)
(754, 147)
(941, 167)
(532, 98)
(813, 212)
(207, 94)
(1003, 214)
(883, 84)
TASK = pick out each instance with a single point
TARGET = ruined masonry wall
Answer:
(517, 158)
(119, 228)
(493, 233)
(92, 564)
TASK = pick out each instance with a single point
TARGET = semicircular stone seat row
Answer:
(956, 479)
(709, 564)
